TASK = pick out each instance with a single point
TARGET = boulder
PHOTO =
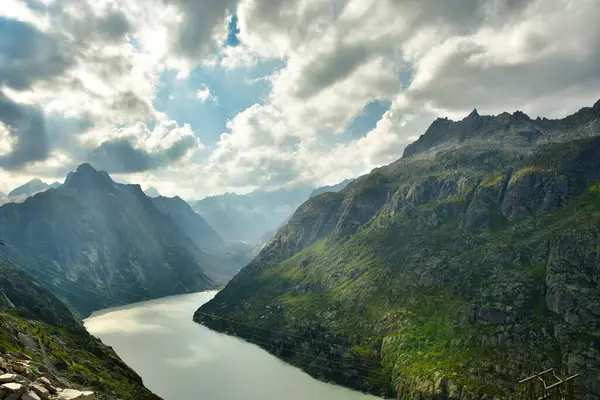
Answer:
(72, 394)
(40, 390)
(30, 396)
(19, 367)
(8, 378)
(28, 341)
(45, 382)
(11, 391)
(87, 395)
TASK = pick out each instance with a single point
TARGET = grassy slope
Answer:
(64, 347)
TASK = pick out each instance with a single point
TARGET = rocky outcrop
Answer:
(20, 380)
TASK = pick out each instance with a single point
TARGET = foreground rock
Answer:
(24, 382)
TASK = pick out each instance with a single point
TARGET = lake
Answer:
(179, 359)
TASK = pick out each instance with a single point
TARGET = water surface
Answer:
(179, 359)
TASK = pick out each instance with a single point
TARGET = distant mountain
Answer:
(32, 187)
(98, 243)
(34, 322)
(247, 217)
(454, 272)
(333, 188)
(190, 222)
(224, 259)
(152, 192)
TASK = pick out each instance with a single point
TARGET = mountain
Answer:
(223, 260)
(190, 222)
(34, 322)
(246, 217)
(454, 272)
(151, 192)
(32, 187)
(333, 188)
(97, 243)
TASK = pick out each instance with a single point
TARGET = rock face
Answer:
(98, 243)
(65, 354)
(465, 266)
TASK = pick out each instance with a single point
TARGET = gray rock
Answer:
(8, 378)
(30, 396)
(41, 391)
(45, 382)
(9, 390)
(72, 394)
(28, 341)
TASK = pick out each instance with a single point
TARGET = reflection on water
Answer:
(179, 359)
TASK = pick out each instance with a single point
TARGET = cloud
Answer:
(138, 148)
(25, 132)
(35, 56)
(79, 80)
(429, 59)
(204, 95)
(203, 26)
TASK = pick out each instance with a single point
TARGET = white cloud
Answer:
(205, 95)
(428, 59)
(538, 56)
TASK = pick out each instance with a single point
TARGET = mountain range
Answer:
(467, 265)
(32, 187)
(255, 217)
(97, 243)
(246, 217)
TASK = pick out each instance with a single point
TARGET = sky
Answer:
(202, 97)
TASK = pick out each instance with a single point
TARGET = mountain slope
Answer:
(456, 271)
(35, 323)
(105, 237)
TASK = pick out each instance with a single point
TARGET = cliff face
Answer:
(455, 271)
(97, 243)
(44, 349)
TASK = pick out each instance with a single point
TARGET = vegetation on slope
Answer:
(35, 323)
(456, 276)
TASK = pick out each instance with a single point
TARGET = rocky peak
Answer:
(87, 177)
(473, 115)
(516, 129)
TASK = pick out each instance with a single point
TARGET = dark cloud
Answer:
(193, 38)
(131, 103)
(28, 55)
(113, 26)
(119, 156)
(27, 125)
(332, 68)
